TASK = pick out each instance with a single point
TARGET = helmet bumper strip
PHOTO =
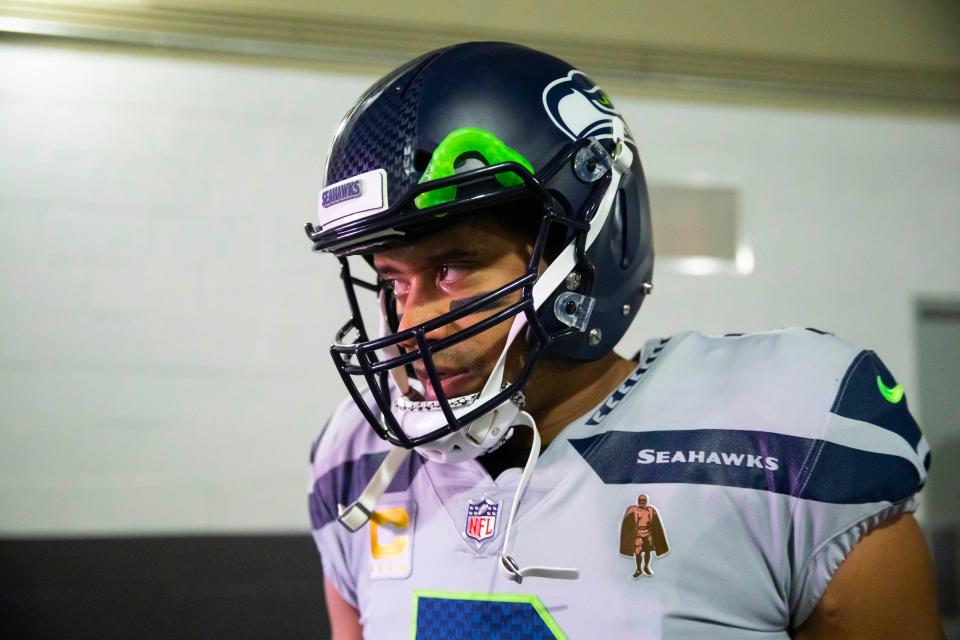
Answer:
(360, 196)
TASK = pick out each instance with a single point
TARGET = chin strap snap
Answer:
(507, 564)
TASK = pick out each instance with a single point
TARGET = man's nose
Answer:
(421, 306)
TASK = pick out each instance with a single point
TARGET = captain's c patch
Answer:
(391, 541)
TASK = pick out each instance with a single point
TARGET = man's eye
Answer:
(399, 288)
(452, 273)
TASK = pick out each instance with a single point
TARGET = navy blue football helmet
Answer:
(479, 127)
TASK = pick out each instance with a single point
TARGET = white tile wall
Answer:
(163, 359)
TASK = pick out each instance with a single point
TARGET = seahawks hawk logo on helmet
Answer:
(581, 109)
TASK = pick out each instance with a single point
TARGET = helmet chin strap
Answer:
(489, 431)
(356, 514)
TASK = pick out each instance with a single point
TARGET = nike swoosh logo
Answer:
(892, 395)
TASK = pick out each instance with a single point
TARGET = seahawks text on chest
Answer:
(652, 456)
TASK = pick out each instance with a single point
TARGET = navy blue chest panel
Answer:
(440, 615)
(790, 465)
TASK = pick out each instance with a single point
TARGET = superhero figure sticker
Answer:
(580, 109)
(642, 535)
(481, 523)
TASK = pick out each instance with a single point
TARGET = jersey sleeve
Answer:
(866, 468)
(328, 535)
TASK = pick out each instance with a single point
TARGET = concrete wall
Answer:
(163, 363)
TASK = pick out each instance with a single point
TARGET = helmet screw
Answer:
(570, 307)
(625, 310)
(595, 336)
(573, 280)
(647, 288)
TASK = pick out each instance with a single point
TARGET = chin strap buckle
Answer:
(358, 512)
(517, 573)
(353, 516)
(511, 568)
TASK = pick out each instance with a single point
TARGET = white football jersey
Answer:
(763, 459)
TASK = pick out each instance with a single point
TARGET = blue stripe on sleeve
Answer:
(344, 483)
(859, 398)
(847, 476)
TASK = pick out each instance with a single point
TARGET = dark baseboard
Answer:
(210, 586)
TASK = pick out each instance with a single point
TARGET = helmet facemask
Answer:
(431, 120)
(454, 428)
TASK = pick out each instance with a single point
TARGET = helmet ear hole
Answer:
(631, 236)
(421, 159)
(626, 250)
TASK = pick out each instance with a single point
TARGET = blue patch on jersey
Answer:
(778, 463)
(344, 483)
(455, 619)
(859, 398)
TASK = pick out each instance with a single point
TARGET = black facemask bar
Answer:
(359, 358)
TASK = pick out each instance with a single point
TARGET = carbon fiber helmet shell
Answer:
(537, 104)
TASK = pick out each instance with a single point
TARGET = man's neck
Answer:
(561, 391)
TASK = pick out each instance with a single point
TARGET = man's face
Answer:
(441, 273)
(642, 501)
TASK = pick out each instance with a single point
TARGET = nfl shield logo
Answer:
(481, 520)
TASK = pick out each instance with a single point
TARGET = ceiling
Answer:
(888, 55)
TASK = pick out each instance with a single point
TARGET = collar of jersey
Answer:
(551, 468)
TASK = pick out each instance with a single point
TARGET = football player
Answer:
(482, 478)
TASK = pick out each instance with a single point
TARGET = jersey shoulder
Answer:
(781, 381)
(833, 402)
(848, 384)
(793, 359)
